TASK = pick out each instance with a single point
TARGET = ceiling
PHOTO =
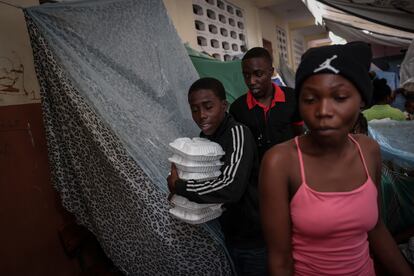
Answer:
(288, 9)
(292, 10)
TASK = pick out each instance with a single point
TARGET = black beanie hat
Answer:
(351, 60)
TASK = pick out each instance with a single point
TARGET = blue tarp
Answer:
(397, 149)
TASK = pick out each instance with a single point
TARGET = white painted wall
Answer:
(181, 14)
(253, 26)
(268, 24)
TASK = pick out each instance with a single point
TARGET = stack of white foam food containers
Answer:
(195, 159)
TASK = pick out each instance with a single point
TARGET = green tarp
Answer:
(228, 72)
(397, 198)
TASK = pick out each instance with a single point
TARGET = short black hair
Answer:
(211, 84)
(258, 52)
(381, 90)
(361, 125)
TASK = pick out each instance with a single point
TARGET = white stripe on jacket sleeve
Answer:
(229, 171)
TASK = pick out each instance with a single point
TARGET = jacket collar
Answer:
(227, 120)
(278, 96)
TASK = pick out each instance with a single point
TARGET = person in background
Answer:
(398, 98)
(409, 106)
(236, 187)
(381, 108)
(269, 111)
(318, 192)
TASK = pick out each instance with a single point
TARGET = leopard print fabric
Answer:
(107, 191)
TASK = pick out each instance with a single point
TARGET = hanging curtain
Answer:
(407, 66)
(114, 76)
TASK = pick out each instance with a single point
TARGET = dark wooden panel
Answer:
(30, 211)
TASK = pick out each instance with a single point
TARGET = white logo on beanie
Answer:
(327, 65)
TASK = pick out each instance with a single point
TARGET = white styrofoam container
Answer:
(183, 202)
(198, 176)
(187, 165)
(193, 218)
(197, 149)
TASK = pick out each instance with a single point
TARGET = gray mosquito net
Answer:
(114, 77)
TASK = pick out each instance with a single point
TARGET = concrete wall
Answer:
(268, 24)
(18, 83)
(253, 26)
(181, 14)
(260, 24)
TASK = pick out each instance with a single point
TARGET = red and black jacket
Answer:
(269, 125)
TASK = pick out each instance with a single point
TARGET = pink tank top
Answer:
(329, 229)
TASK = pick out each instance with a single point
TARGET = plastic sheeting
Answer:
(126, 70)
(351, 27)
(407, 66)
(229, 73)
(397, 198)
(396, 141)
(396, 14)
(351, 33)
(114, 78)
(397, 148)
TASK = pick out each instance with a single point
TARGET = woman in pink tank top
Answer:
(318, 192)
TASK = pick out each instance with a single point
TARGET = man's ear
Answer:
(272, 70)
(225, 104)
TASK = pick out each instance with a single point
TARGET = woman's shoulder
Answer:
(369, 147)
(366, 142)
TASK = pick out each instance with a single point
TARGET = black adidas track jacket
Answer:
(236, 187)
